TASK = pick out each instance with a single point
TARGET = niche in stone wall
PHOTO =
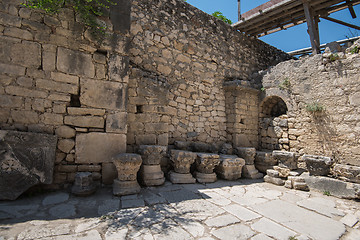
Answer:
(273, 123)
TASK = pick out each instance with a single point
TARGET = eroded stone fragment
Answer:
(273, 180)
(248, 154)
(26, 159)
(230, 167)
(318, 165)
(206, 162)
(249, 171)
(347, 172)
(264, 161)
(151, 175)
(205, 177)
(285, 159)
(83, 185)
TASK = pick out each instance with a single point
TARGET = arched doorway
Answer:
(273, 124)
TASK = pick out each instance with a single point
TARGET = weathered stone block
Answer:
(318, 165)
(283, 172)
(273, 180)
(85, 111)
(116, 123)
(57, 86)
(65, 132)
(26, 117)
(182, 160)
(146, 139)
(118, 67)
(151, 175)
(99, 147)
(83, 185)
(26, 54)
(205, 177)
(152, 154)
(121, 188)
(301, 186)
(347, 172)
(206, 162)
(66, 145)
(248, 154)
(249, 171)
(181, 145)
(264, 161)
(85, 121)
(75, 62)
(230, 167)
(272, 173)
(103, 94)
(181, 178)
(26, 159)
(285, 159)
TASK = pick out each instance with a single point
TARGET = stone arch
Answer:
(273, 123)
(273, 106)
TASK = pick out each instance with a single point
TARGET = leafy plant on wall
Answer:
(88, 10)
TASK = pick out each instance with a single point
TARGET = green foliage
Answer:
(314, 107)
(355, 50)
(220, 16)
(292, 238)
(327, 193)
(333, 57)
(87, 9)
(285, 85)
(262, 89)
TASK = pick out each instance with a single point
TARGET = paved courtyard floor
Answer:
(244, 209)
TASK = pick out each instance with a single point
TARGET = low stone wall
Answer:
(331, 84)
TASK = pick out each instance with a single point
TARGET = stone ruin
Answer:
(177, 95)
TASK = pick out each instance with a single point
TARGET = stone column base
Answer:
(205, 177)
(84, 185)
(181, 177)
(121, 188)
(152, 175)
(249, 171)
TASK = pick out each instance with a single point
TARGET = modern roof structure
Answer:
(276, 15)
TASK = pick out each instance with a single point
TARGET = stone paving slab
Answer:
(240, 209)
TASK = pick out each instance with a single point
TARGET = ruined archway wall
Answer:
(189, 54)
(334, 132)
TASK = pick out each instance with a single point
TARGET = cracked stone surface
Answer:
(242, 209)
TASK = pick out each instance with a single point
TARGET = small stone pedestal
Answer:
(181, 161)
(249, 170)
(205, 164)
(127, 166)
(83, 185)
(150, 172)
(230, 167)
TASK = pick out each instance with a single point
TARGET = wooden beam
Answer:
(239, 10)
(311, 28)
(341, 22)
(351, 9)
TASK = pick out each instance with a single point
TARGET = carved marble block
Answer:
(127, 166)
(152, 154)
(230, 167)
(182, 160)
(26, 159)
(206, 162)
(150, 171)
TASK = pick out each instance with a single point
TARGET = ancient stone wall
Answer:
(318, 81)
(186, 56)
(55, 78)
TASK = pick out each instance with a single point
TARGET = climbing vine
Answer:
(87, 9)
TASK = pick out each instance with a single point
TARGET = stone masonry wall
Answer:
(180, 58)
(54, 78)
(334, 84)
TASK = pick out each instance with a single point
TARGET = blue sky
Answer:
(293, 38)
